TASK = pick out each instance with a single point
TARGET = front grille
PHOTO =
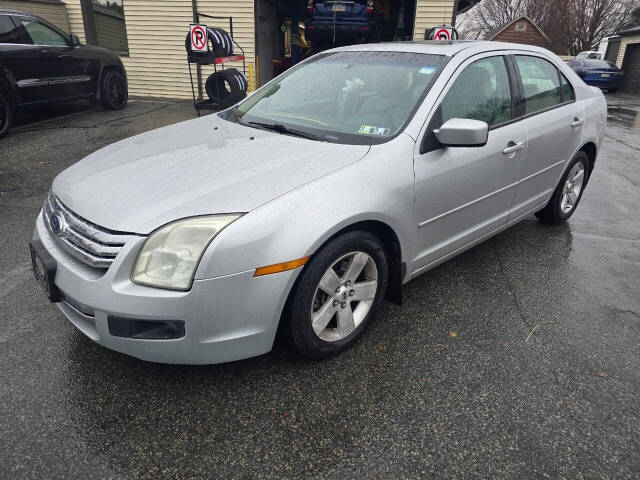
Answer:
(91, 244)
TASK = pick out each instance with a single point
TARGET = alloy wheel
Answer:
(572, 188)
(344, 296)
(116, 90)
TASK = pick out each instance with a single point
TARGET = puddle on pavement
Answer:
(624, 117)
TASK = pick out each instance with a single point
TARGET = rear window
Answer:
(9, 33)
(599, 64)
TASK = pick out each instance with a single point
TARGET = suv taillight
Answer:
(370, 5)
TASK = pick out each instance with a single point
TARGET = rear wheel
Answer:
(568, 193)
(6, 115)
(338, 294)
(113, 91)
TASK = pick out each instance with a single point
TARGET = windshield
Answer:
(344, 97)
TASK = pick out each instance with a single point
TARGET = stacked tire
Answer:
(221, 45)
(224, 87)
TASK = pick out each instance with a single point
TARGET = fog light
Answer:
(145, 329)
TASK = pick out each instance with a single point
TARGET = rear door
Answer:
(462, 194)
(22, 62)
(554, 125)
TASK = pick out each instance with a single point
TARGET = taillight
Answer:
(370, 5)
(310, 5)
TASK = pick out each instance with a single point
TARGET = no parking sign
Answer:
(443, 33)
(198, 35)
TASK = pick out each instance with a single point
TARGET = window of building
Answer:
(104, 24)
(521, 26)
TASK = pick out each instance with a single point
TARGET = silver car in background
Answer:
(314, 199)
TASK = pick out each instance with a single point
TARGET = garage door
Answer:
(631, 67)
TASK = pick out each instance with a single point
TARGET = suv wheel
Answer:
(113, 91)
(6, 115)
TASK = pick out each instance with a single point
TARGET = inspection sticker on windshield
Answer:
(378, 131)
(428, 70)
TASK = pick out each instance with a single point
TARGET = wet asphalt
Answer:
(518, 359)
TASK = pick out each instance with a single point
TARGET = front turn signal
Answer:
(280, 267)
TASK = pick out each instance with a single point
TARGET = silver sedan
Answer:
(313, 200)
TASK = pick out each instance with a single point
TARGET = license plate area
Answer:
(606, 75)
(338, 8)
(44, 270)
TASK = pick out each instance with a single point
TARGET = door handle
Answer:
(513, 147)
(577, 122)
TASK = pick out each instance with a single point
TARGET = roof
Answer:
(493, 34)
(631, 31)
(437, 47)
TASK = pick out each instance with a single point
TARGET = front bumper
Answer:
(225, 318)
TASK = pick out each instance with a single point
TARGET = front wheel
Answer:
(113, 91)
(568, 193)
(337, 295)
(6, 115)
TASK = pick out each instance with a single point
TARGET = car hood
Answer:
(202, 166)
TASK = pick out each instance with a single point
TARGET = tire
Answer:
(557, 211)
(226, 87)
(221, 43)
(309, 298)
(113, 91)
(613, 90)
(6, 115)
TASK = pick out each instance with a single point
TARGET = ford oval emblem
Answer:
(57, 223)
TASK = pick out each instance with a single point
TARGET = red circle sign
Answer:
(198, 38)
(442, 34)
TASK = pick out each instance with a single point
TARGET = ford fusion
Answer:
(305, 206)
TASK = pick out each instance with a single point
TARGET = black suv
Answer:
(40, 64)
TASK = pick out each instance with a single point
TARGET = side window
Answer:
(568, 93)
(481, 92)
(9, 32)
(541, 83)
(43, 35)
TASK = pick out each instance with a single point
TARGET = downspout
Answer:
(455, 13)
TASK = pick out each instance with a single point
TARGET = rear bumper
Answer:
(226, 318)
(324, 30)
(613, 82)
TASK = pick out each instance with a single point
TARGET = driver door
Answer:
(462, 194)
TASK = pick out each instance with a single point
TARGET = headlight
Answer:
(170, 256)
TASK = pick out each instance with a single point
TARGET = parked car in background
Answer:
(304, 206)
(340, 21)
(589, 55)
(41, 65)
(599, 73)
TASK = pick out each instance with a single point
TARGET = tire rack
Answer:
(208, 104)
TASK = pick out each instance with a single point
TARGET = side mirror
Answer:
(463, 132)
(74, 41)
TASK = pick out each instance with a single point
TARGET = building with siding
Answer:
(150, 35)
(521, 30)
(629, 59)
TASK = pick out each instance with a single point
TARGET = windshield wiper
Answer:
(278, 127)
